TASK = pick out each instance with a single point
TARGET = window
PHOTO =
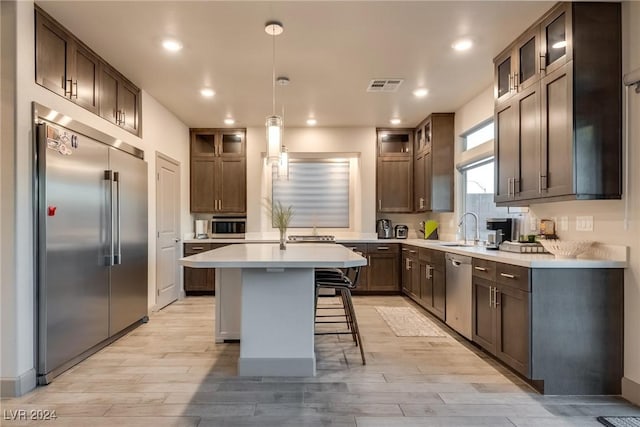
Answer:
(478, 136)
(318, 191)
(478, 184)
(477, 172)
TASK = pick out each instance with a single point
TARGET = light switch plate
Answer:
(584, 223)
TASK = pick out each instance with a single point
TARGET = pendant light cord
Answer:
(273, 75)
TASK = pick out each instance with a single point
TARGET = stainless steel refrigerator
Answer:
(91, 214)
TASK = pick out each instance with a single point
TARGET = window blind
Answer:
(318, 191)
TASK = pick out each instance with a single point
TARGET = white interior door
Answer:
(168, 230)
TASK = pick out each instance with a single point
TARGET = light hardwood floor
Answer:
(169, 372)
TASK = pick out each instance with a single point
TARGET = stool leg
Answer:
(348, 314)
(355, 325)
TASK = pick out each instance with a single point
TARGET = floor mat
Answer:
(408, 322)
(620, 421)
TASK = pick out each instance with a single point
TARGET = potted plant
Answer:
(281, 217)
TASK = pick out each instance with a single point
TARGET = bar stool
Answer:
(343, 282)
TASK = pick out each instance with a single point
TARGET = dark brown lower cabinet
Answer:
(382, 274)
(429, 284)
(200, 281)
(562, 329)
(501, 323)
(410, 272)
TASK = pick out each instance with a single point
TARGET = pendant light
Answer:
(274, 122)
(283, 167)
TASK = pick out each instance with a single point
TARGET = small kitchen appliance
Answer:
(401, 231)
(228, 227)
(201, 229)
(384, 229)
(504, 231)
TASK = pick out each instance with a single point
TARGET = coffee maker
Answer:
(504, 231)
(384, 229)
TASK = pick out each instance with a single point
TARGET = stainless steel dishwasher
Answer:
(458, 292)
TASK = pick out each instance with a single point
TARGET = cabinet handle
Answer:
(516, 76)
(68, 85)
(428, 272)
(508, 276)
(379, 204)
(510, 83)
(543, 62)
(509, 187)
(480, 268)
(405, 250)
(197, 248)
(516, 182)
(412, 252)
(490, 296)
(383, 248)
(495, 297)
(353, 248)
(76, 85)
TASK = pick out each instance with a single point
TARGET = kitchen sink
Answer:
(457, 244)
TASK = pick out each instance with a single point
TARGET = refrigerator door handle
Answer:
(108, 176)
(117, 259)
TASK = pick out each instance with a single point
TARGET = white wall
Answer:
(162, 131)
(319, 140)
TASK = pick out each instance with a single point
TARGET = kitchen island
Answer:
(270, 294)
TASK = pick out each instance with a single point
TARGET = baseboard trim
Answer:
(276, 367)
(16, 387)
(631, 391)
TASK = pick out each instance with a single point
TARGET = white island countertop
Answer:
(269, 255)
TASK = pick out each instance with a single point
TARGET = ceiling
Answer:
(330, 50)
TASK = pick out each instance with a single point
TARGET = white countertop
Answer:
(269, 255)
(600, 256)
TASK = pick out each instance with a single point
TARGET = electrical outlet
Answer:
(584, 223)
(563, 224)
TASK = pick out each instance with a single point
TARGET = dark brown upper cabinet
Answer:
(218, 171)
(119, 100)
(395, 170)
(69, 68)
(518, 67)
(558, 127)
(64, 65)
(433, 164)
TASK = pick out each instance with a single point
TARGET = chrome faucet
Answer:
(462, 224)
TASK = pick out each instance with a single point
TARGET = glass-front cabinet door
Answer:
(231, 143)
(528, 56)
(396, 142)
(556, 39)
(504, 76)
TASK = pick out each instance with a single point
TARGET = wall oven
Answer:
(228, 228)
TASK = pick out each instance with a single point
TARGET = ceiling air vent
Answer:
(384, 85)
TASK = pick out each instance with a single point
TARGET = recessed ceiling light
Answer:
(312, 122)
(207, 93)
(172, 45)
(559, 45)
(395, 121)
(229, 121)
(463, 44)
(420, 93)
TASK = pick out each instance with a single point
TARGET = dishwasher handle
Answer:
(457, 260)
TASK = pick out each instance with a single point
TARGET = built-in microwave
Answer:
(228, 227)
